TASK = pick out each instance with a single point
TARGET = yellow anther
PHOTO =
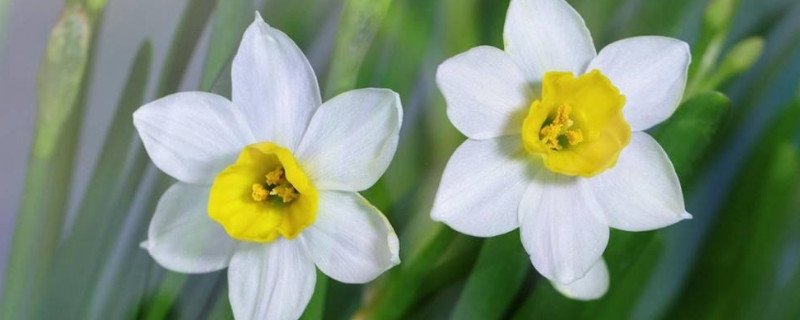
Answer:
(574, 136)
(287, 193)
(562, 115)
(276, 177)
(550, 133)
(259, 192)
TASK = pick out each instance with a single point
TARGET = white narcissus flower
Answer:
(267, 183)
(555, 141)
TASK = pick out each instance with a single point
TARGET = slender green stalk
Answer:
(402, 286)
(359, 24)
(495, 280)
(230, 20)
(716, 25)
(60, 88)
(117, 173)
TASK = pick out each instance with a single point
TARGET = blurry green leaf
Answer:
(750, 214)
(103, 208)
(775, 211)
(221, 310)
(738, 60)
(405, 281)
(497, 276)
(316, 307)
(691, 129)
(60, 88)
(165, 296)
(714, 32)
(360, 22)
(231, 18)
(193, 20)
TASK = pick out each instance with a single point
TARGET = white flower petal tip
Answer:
(500, 169)
(351, 241)
(352, 139)
(562, 227)
(651, 72)
(687, 216)
(144, 245)
(591, 287)
(273, 85)
(547, 35)
(642, 191)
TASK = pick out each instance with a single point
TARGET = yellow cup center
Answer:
(577, 126)
(263, 195)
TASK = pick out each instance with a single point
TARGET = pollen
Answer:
(285, 192)
(559, 127)
(276, 177)
(574, 136)
(259, 192)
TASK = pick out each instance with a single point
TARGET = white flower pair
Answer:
(268, 182)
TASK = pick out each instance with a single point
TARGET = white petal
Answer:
(272, 281)
(482, 186)
(274, 85)
(651, 72)
(192, 136)
(487, 94)
(182, 237)
(642, 191)
(591, 287)
(351, 241)
(562, 227)
(351, 139)
(547, 35)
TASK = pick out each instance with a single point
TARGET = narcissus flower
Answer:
(556, 144)
(267, 183)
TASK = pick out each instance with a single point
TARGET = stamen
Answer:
(276, 177)
(558, 127)
(259, 192)
(574, 136)
(287, 193)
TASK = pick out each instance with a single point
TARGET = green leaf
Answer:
(60, 89)
(316, 307)
(497, 276)
(231, 18)
(722, 269)
(691, 129)
(360, 22)
(102, 210)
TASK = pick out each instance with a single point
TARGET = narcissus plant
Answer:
(556, 143)
(268, 182)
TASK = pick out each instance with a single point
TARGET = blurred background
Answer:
(77, 190)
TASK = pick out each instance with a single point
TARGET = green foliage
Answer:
(60, 87)
(741, 271)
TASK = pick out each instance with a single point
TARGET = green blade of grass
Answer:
(497, 276)
(721, 259)
(116, 176)
(360, 22)
(61, 85)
